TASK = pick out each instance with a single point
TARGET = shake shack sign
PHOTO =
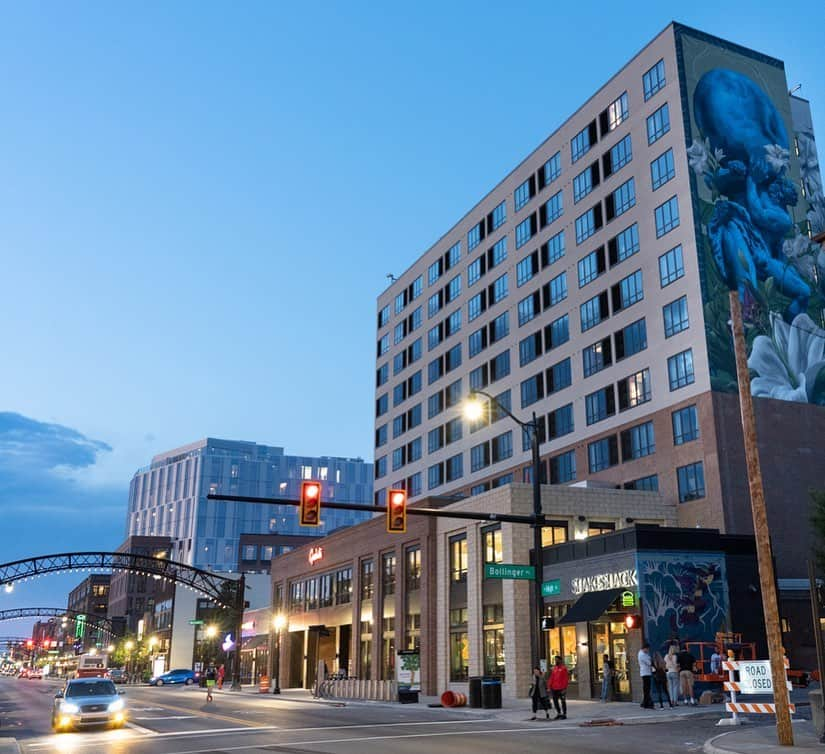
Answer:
(603, 581)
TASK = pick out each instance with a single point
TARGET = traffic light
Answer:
(397, 511)
(29, 644)
(632, 621)
(310, 503)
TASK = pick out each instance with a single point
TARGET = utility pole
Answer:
(767, 582)
(817, 621)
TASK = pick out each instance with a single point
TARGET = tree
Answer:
(818, 524)
(411, 662)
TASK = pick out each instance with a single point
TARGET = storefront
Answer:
(679, 583)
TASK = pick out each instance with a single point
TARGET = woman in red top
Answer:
(559, 680)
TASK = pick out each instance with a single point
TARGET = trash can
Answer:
(475, 692)
(491, 693)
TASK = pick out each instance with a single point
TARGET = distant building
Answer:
(90, 598)
(168, 498)
(255, 551)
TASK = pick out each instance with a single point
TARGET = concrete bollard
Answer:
(817, 714)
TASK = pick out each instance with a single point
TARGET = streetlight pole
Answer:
(538, 521)
(278, 623)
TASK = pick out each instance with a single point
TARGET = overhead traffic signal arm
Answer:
(310, 504)
(397, 511)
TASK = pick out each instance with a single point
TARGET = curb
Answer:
(710, 747)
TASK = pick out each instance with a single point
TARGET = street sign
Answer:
(194, 622)
(550, 588)
(508, 571)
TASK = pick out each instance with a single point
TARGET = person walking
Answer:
(646, 671)
(607, 679)
(686, 664)
(559, 681)
(672, 667)
(660, 681)
(211, 675)
(221, 676)
(538, 694)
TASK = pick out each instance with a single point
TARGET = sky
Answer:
(201, 201)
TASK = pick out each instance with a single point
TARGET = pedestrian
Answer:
(672, 667)
(716, 662)
(538, 694)
(559, 681)
(607, 679)
(646, 671)
(221, 676)
(660, 680)
(686, 664)
(211, 675)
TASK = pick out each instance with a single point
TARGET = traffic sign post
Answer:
(195, 622)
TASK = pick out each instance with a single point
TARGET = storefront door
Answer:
(608, 637)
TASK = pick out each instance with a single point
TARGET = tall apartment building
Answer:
(168, 498)
(588, 288)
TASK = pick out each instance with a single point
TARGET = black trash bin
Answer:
(475, 692)
(491, 693)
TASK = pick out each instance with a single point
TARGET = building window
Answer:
(532, 390)
(367, 573)
(343, 586)
(529, 349)
(434, 271)
(691, 480)
(617, 112)
(523, 194)
(563, 468)
(645, 483)
(502, 447)
(493, 633)
(582, 141)
(554, 533)
(583, 183)
(435, 476)
(618, 157)
(479, 456)
(498, 216)
(630, 340)
(492, 545)
(557, 333)
(454, 467)
(658, 124)
(623, 245)
(458, 558)
(499, 289)
(498, 253)
(596, 357)
(473, 237)
(476, 306)
(560, 422)
(671, 266)
(622, 199)
(384, 316)
(602, 454)
(525, 230)
(380, 467)
(593, 311)
(553, 209)
(552, 168)
(685, 425)
(388, 573)
(500, 366)
(459, 645)
(628, 291)
(634, 390)
(638, 442)
(591, 266)
(599, 405)
(588, 223)
(556, 290)
(559, 376)
(413, 568)
(596, 528)
(662, 169)
(553, 249)
(654, 79)
(676, 316)
(680, 369)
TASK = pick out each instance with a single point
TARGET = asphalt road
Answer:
(176, 720)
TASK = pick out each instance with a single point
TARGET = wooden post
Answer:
(767, 583)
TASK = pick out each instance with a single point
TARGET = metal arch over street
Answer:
(96, 622)
(224, 591)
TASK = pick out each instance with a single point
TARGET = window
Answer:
(691, 480)
(383, 344)
(502, 447)
(453, 256)
(596, 528)
(499, 290)
(500, 366)
(596, 357)
(559, 376)
(529, 349)
(527, 308)
(498, 216)
(638, 442)
(685, 425)
(646, 483)
(555, 290)
(454, 288)
(588, 223)
(388, 573)
(617, 112)
(412, 571)
(627, 291)
(653, 79)
(477, 341)
(526, 268)
(634, 390)
(591, 266)
(563, 467)
(398, 458)
(582, 141)
(500, 327)
(658, 124)
(560, 422)
(524, 193)
(498, 253)
(434, 336)
(435, 404)
(452, 393)
(435, 476)
(382, 374)
(479, 456)
(459, 645)
(557, 333)
(473, 237)
(475, 270)
(399, 425)
(414, 450)
(381, 436)
(434, 272)
(454, 468)
(552, 210)
(552, 169)
(492, 546)
(676, 316)
(434, 303)
(671, 266)
(583, 183)
(532, 390)
(435, 439)
(367, 573)
(476, 305)
(553, 249)
(623, 245)
(458, 558)
(631, 339)
(680, 369)
(453, 323)
(662, 169)
(416, 288)
(594, 311)
(382, 405)
(599, 405)
(453, 430)
(618, 156)
(602, 454)
(525, 230)
(554, 533)
(452, 359)
(400, 302)
(343, 586)
(621, 200)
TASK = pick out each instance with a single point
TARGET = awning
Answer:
(590, 606)
(253, 642)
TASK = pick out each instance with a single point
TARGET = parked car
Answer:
(88, 701)
(117, 675)
(35, 673)
(181, 675)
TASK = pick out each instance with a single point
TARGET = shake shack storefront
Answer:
(675, 581)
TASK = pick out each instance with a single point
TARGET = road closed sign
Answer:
(755, 677)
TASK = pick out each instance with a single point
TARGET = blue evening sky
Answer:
(200, 202)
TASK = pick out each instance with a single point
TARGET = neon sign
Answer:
(315, 554)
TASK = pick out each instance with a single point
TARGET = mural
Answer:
(756, 195)
(684, 596)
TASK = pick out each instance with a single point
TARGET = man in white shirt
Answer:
(646, 671)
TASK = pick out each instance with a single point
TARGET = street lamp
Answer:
(473, 411)
(129, 646)
(278, 623)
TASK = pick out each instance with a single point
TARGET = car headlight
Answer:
(69, 708)
(116, 705)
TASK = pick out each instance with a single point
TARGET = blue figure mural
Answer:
(743, 162)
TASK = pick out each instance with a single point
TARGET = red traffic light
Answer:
(29, 644)
(310, 508)
(397, 511)
(632, 621)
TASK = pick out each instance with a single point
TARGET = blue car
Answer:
(186, 677)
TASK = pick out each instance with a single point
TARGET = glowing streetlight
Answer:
(110, 648)
(153, 641)
(211, 631)
(278, 622)
(92, 651)
(130, 645)
(473, 409)
(9, 588)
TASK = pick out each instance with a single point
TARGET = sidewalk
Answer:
(761, 739)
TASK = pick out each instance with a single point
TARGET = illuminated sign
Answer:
(628, 599)
(315, 554)
(228, 643)
(603, 581)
